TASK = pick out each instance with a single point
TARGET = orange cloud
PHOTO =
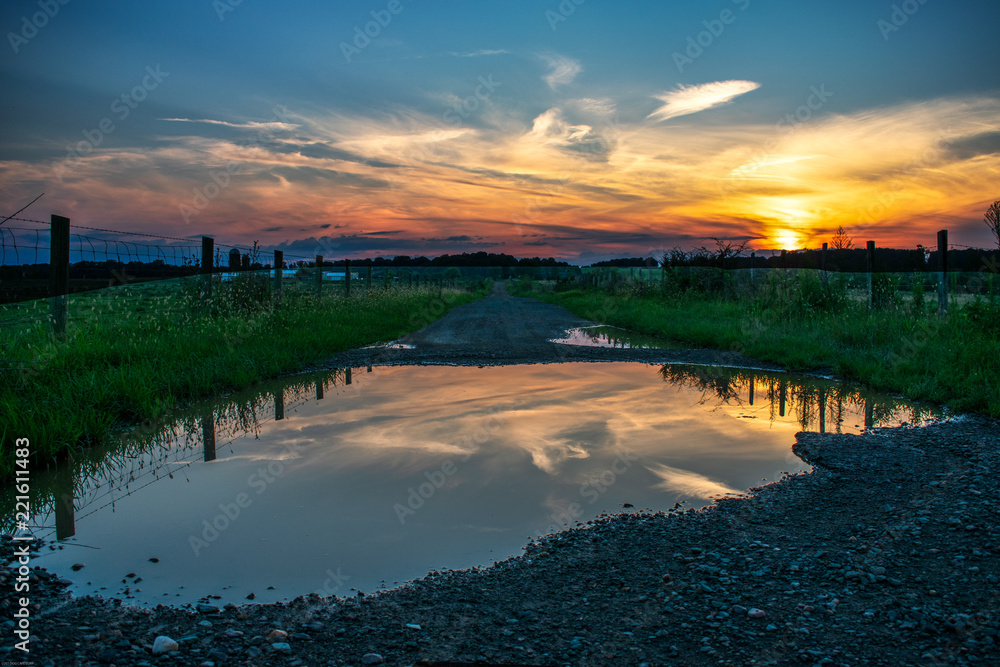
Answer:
(572, 178)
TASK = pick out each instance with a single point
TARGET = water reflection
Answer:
(390, 472)
(817, 404)
(614, 337)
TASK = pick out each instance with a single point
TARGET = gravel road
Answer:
(887, 553)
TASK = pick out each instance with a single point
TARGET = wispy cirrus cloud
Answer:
(249, 125)
(478, 53)
(685, 100)
(564, 70)
(689, 483)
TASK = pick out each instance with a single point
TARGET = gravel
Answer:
(885, 554)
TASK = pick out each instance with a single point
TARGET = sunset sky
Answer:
(578, 129)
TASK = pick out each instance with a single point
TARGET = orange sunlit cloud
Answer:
(574, 175)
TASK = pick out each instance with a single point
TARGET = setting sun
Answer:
(787, 240)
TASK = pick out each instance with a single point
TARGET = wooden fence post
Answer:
(59, 274)
(279, 405)
(822, 263)
(369, 277)
(279, 260)
(207, 266)
(869, 267)
(347, 277)
(319, 276)
(943, 272)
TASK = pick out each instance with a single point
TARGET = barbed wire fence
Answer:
(117, 249)
(103, 257)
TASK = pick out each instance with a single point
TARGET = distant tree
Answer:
(992, 220)
(724, 251)
(841, 240)
(627, 262)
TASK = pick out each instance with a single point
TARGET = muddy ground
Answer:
(888, 553)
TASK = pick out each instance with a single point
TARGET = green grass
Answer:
(134, 354)
(904, 348)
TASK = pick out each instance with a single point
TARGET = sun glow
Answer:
(786, 239)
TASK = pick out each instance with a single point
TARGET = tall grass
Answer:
(135, 357)
(900, 345)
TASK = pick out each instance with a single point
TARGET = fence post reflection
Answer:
(279, 405)
(65, 507)
(208, 435)
(822, 410)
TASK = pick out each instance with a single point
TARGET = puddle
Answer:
(394, 345)
(358, 479)
(605, 336)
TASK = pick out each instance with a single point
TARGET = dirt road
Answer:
(502, 329)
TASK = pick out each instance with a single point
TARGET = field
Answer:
(133, 353)
(899, 345)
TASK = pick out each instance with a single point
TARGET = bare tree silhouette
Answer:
(992, 219)
(841, 240)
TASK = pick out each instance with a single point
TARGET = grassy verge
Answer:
(901, 347)
(134, 358)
